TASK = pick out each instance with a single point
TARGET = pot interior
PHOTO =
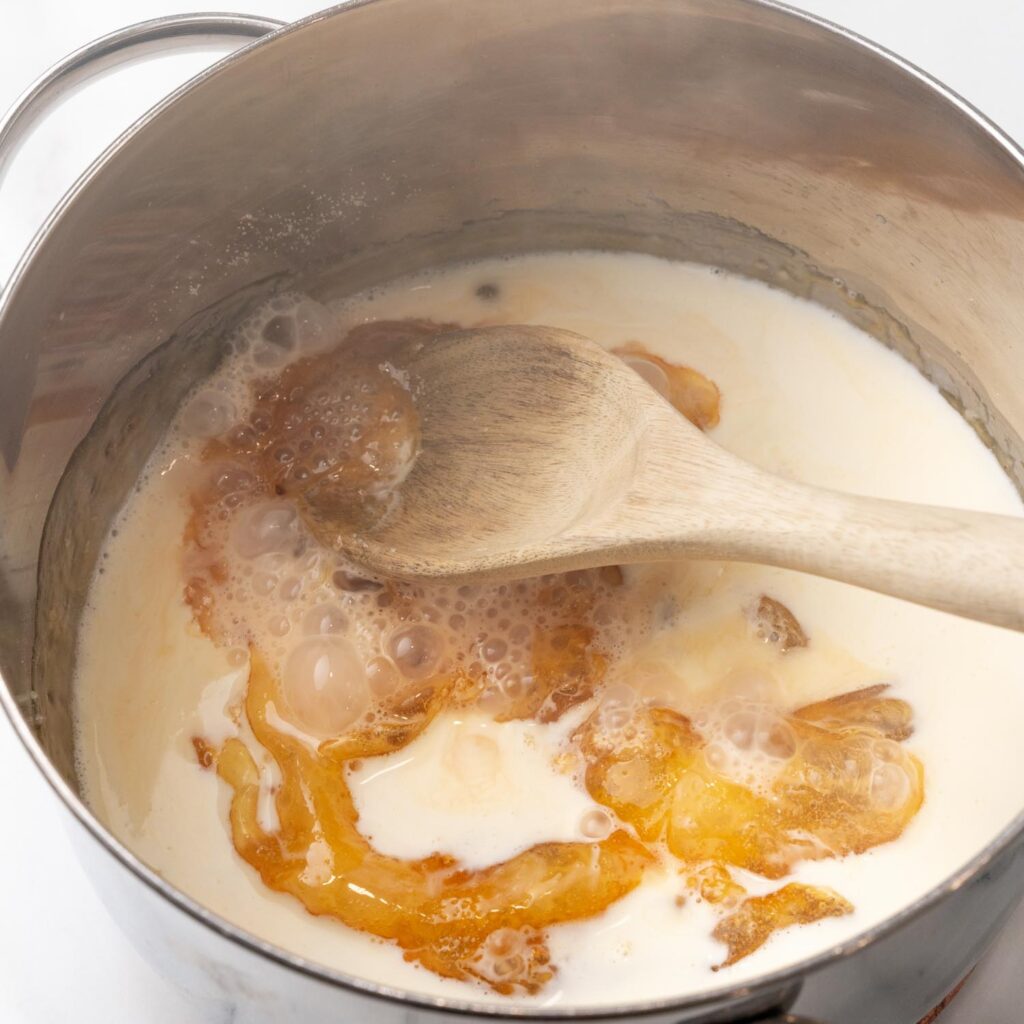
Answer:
(388, 137)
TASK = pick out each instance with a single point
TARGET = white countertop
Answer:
(62, 958)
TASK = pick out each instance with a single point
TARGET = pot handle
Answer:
(120, 47)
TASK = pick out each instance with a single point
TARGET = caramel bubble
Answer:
(416, 650)
(324, 684)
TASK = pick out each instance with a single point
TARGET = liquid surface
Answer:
(659, 768)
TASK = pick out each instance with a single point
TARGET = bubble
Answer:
(596, 824)
(263, 583)
(290, 588)
(504, 941)
(515, 685)
(617, 707)
(237, 657)
(716, 757)
(520, 633)
(209, 414)
(243, 437)
(890, 786)
(324, 618)
(776, 740)
(231, 479)
(416, 650)
(325, 685)
(739, 729)
(494, 649)
(382, 676)
(315, 327)
(611, 575)
(265, 527)
(279, 625)
(279, 331)
(508, 966)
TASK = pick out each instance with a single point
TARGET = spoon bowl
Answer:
(542, 452)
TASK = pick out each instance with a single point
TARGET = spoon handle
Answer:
(967, 563)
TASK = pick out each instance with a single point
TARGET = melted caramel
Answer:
(333, 432)
(462, 924)
(749, 927)
(696, 397)
(847, 786)
(775, 624)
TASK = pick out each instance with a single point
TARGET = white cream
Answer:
(804, 394)
(473, 788)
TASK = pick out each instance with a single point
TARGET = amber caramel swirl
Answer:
(752, 924)
(484, 924)
(845, 786)
(337, 431)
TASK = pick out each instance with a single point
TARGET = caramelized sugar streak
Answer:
(776, 624)
(485, 924)
(844, 784)
(751, 925)
(696, 397)
(375, 664)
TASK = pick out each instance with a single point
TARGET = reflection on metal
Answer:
(126, 45)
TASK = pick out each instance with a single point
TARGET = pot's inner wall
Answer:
(404, 133)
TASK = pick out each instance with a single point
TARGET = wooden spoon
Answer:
(542, 452)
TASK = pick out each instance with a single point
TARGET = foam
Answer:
(260, 576)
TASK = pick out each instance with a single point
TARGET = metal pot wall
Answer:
(385, 136)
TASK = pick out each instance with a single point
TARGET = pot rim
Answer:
(768, 983)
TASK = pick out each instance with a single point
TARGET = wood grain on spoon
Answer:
(541, 452)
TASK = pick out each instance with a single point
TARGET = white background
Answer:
(61, 957)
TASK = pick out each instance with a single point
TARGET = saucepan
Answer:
(384, 136)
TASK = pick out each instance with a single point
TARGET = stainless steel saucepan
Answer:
(384, 136)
